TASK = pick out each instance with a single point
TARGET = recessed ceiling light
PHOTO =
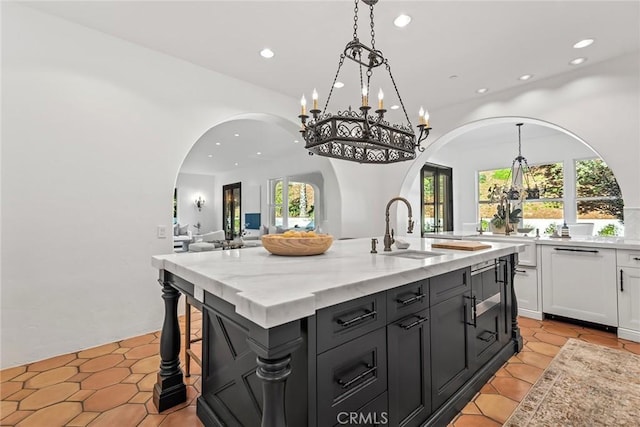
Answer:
(258, 153)
(217, 143)
(483, 90)
(577, 61)
(210, 155)
(236, 134)
(525, 76)
(295, 141)
(402, 21)
(266, 53)
(235, 164)
(338, 85)
(583, 43)
(395, 107)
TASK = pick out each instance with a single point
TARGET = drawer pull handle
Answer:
(621, 281)
(346, 384)
(591, 251)
(636, 258)
(487, 336)
(521, 271)
(414, 324)
(474, 311)
(347, 323)
(411, 300)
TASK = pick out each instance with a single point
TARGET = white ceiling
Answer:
(484, 43)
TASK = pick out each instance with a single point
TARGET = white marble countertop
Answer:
(271, 290)
(581, 241)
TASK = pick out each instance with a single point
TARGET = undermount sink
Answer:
(412, 254)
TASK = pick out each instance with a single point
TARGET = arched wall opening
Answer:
(253, 149)
(492, 143)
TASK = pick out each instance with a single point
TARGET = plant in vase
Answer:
(505, 217)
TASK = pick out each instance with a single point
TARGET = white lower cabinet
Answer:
(580, 283)
(525, 283)
(629, 295)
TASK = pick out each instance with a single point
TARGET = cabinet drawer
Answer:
(528, 256)
(407, 299)
(628, 258)
(448, 285)
(343, 322)
(373, 414)
(351, 375)
(487, 333)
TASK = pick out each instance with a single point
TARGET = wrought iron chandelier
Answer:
(521, 176)
(360, 136)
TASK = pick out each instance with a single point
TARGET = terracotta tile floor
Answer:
(112, 385)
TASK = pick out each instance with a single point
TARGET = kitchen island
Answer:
(358, 338)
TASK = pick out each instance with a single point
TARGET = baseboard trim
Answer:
(629, 334)
(530, 313)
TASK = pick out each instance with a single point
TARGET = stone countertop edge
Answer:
(271, 290)
(583, 241)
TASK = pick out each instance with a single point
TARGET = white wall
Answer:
(190, 186)
(95, 130)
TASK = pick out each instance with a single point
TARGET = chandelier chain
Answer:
(355, 21)
(386, 64)
(373, 31)
(335, 79)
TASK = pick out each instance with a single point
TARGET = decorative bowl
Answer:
(278, 244)
(525, 230)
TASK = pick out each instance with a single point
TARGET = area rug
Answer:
(584, 385)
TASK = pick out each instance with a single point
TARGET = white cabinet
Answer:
(580, 283)
(629, 294)
(525, 283)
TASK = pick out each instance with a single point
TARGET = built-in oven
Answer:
(487, 283)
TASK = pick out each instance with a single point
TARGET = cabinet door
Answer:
(629, 298)
(409, 371)
(526, 284)
(579, 282)
(450, 347)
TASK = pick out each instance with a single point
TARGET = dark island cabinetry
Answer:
(451, 337)
(412, 355)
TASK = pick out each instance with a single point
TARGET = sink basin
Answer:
(412, 254)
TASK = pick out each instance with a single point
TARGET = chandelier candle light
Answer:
(360, 136)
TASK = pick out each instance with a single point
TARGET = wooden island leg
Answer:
(274, 356)
(273, 374)
(169, 389)
(515, 329)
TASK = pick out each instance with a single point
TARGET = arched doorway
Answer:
(252, 149)
(490, 145)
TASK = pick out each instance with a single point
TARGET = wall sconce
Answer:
(199, 203)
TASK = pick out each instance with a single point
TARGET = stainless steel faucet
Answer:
(388, 238)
